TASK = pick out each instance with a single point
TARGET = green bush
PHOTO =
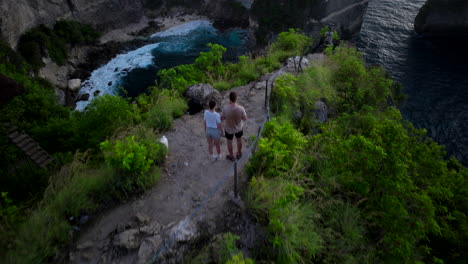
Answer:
(292, 42)
(161, 107)
(209, 68)
(239, 259)
(133, 157)
(378, 190)
(100, 119)
(279, 151)
(290, 223)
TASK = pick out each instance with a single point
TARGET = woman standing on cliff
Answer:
(213, 130)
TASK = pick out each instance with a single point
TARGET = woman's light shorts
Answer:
(212, 133)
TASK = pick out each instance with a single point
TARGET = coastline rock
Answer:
(201, 94)
(74, 84)
(83, 97)
(442, 18)
(321, 111)
(61, 98)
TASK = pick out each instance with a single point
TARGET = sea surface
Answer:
(434, 72)
(135, 70)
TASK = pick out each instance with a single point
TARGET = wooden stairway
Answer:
(30, 148)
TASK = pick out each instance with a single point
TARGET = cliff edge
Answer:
(442, 18)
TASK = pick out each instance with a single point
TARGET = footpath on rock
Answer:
(192, 199)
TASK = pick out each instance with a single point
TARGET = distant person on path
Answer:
(233, 116)
(213, 130)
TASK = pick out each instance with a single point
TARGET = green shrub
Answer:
(284, 96)
(292, 42)
(133, 157)
(356, 85)
(290, 223)
(162, 107)
(378, 190)
(278, 151)
(130, 156)
(239, 259)
(100, 119)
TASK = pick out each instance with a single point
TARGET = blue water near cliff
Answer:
(136, 70)
(434, 73)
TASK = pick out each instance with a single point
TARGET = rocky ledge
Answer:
(442, 18)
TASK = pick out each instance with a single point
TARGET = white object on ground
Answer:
(164, 141)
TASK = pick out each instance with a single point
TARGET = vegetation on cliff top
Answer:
(364, 187)
(43, 42)
(108, 150)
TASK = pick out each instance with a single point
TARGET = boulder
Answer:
(148, 247)
(61, 98)
(321, 111)
(296, 64)
(185, 231)
(201, 94)
(129, 239)
(83, 97)
(74, 84)
(442, 18)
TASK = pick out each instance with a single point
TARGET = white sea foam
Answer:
(183, 29)
(106, 79)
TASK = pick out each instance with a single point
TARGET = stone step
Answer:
(33, 150)
(43, 158)
(29, 147)
(47, 162)
(37, 155)
(20, 138)
(25, 142)
(13, 134)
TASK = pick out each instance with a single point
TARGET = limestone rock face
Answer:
(74, 84)
(440, 18)
(344, 16)
(17, 16)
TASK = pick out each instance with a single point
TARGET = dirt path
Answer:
(186, 204)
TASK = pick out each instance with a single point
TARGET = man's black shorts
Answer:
(231, 136)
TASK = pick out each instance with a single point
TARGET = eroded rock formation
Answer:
(440, 18)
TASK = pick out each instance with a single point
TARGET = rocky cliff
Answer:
(438, 18)
(17, 16)
(345, 16)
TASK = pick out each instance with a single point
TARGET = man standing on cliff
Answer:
(234, 116)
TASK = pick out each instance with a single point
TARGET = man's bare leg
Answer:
(239, 146)
(229, 145)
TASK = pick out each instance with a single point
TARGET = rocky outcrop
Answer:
(17, 16)
(199, 96)
(440, 18)
(344, 16)
(9, 89)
